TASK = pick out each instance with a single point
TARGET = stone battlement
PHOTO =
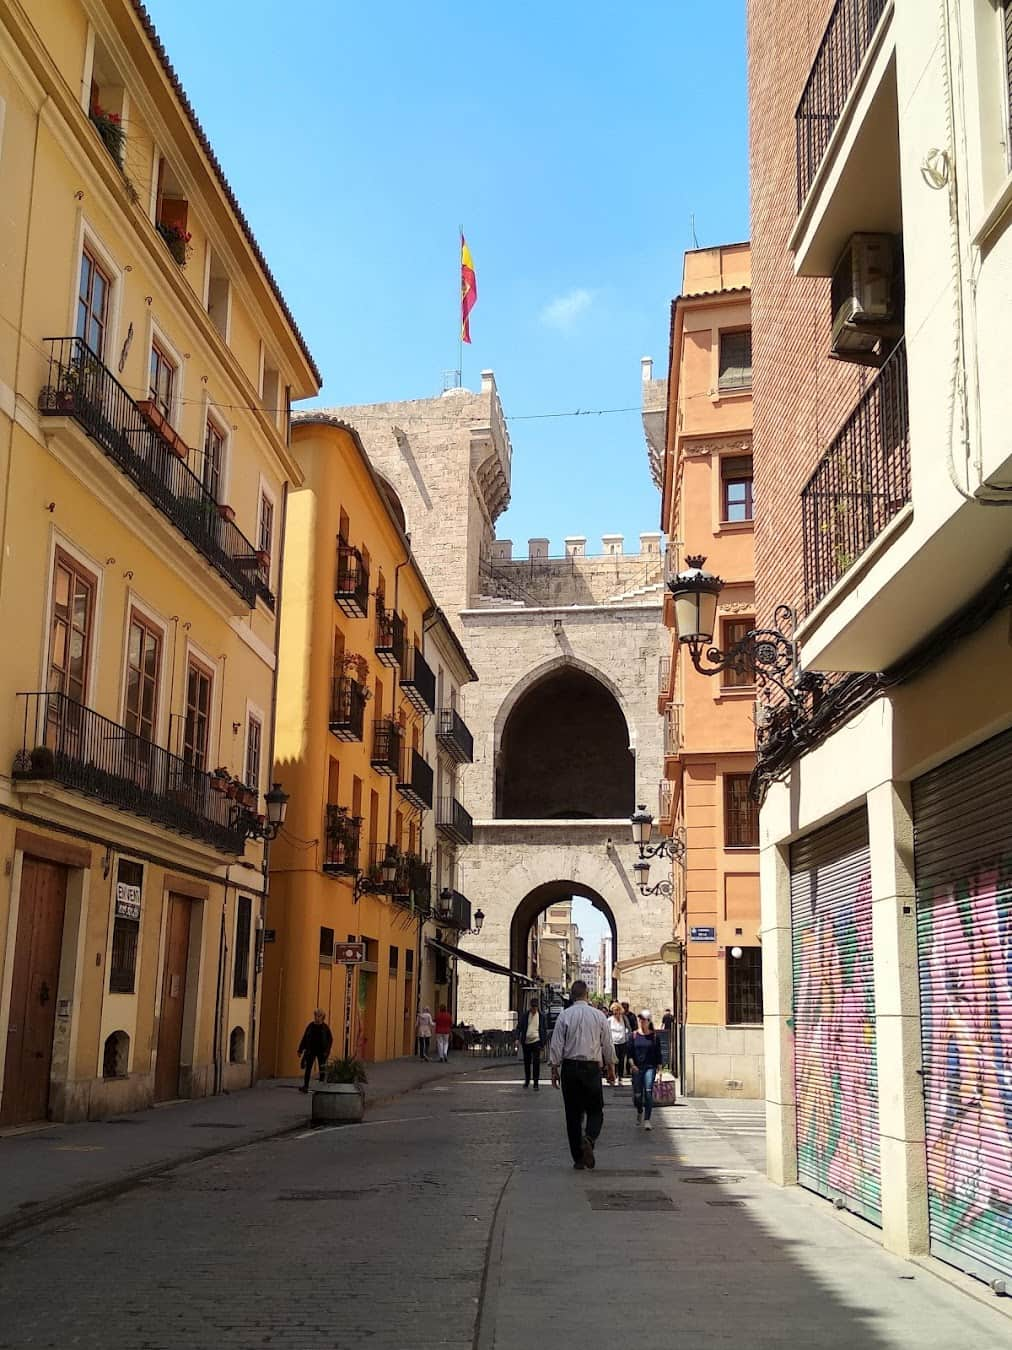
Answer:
(575, 577)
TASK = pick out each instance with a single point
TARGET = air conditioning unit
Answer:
(866, 296)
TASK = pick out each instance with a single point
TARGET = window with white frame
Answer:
(266, 531)
(162, 381)
(93, 294)
(254, 740)
(214, 458)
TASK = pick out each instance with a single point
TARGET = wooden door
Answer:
(33, 992)
(170, 1021)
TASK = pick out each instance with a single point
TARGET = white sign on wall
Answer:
(128, 901)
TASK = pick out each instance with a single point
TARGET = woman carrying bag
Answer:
(619, 1038)
(647, 1060)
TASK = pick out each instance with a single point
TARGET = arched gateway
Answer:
(526, 915)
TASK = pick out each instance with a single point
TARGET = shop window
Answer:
(744, 986)
(240, 976)
(735, 360)
(126, 927)
(741, 813)
(237, 1046)
(116, 1055)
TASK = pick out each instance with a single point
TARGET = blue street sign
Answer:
(702, 935)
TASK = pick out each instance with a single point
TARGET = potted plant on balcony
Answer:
(37, 763)
(109, 126)
(220, 779)
(356, 665)
(177, 239)
(340, 1098)
(225, 511)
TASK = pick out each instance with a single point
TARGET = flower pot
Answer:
(151, 412)
(177, 247)
(225, 511)
(337, 1103)
(219, 784)
(264, 559)
(233, 791)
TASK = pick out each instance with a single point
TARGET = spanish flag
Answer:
(468, 289)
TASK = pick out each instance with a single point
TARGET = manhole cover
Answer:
(627, 1172)
(709, 1181)
(726, 1204)
(630, 1200)
(215, 1125)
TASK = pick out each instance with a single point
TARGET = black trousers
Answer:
(622, 1057)
(532, 1061)
(582, 1096)
(308, 1061)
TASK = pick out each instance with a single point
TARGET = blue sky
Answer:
(572, 140)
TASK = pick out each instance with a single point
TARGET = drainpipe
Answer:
(258, 926)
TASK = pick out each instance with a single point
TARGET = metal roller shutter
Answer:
(835, 1071)
(963, 864)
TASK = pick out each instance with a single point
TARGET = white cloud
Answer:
(563, 312)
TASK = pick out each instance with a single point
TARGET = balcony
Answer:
(453, 735)
(453, 822)
(81, 750)
(418, 684)
(665, 804)
(454, 911)
(387, 740)
(413, 886)
(861, 483)
(673, 731)
(351, 585)
(389, 637)
(847, 137)
(341, 838)
(78, 386)
(347, 708)
(663, 682)
(415, 782)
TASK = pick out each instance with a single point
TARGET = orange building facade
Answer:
(707, 510)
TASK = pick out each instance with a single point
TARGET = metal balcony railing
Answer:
(673, 730)
(453, 735)
(418, 684)
(860, 483)
(80, 749)
(387, 740)
(847, 38)
(79, 386)
(665, 799)
(351, 585)
(415, 783)
(453, 821)
(341, 841)
(663, 675)
(389, 636)
(413, 887)
(454, 911)
(347, 708)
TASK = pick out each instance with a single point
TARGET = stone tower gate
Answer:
(564, 716)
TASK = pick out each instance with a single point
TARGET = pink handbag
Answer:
(664, 1091)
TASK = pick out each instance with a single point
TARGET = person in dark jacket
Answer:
(647, 1060)
(315, 1046)
(532, 1033)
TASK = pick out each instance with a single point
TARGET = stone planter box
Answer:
(337, 1103)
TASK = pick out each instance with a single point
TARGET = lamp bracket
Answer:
(666, 848)
(771, 653)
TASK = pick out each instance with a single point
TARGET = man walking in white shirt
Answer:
(581, 1043)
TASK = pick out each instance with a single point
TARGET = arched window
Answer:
(237, 1046)
(116, 1055)
(565, 753)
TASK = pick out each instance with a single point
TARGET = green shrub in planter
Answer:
(347, 1070)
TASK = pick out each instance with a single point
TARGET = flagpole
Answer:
(460, 325)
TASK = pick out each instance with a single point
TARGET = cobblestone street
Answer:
(453, 1218)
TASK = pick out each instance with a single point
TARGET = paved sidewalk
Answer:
(46, 1167)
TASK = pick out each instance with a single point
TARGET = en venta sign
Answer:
(128, 901)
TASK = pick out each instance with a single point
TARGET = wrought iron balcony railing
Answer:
(351, 585)
(860, 483)
(454, 911)
(847, 38)
(665, 799)
(453, 735)
(413, 887)
(387, 740)
(80, 749)
(453, 822)
(673, 730)
(415, 783)
(663, 675)
(389, 636)
(79, 386)
(347, 708)
(341, 842)
(418, 683)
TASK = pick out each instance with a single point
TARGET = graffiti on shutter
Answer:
(836, 1075)
(963, 859)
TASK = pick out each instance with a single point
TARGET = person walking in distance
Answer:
(646, 1063)
(424, 1027)
(667, 1034)
(619, 1030)
(314, 1048)
(581, 1044)
(531, 1035)
(444, 1025)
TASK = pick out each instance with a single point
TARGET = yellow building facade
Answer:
(355, 696)
(147, 362)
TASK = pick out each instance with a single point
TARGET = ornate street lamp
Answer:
(642, 872)
(770, 653)
(446, 899)
(267, 828)
(642, 823)
(382, 884)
